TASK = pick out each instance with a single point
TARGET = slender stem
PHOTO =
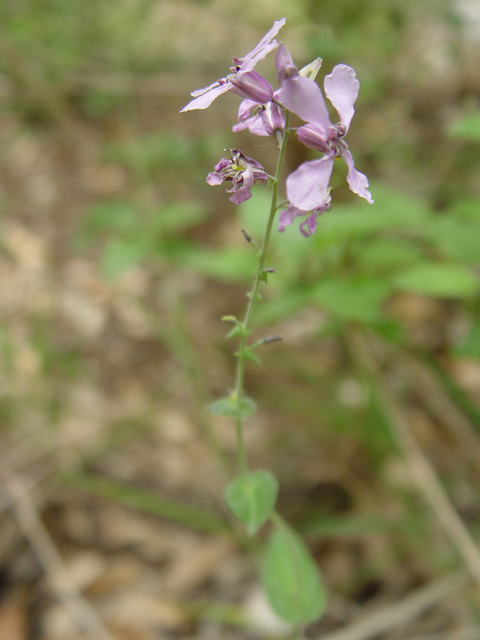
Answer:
(253, 297)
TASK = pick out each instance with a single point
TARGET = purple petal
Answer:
(303, 97)
(222, 164)
(213, 179)
(312, 223)
(248, 175)
(304, 231)
(254, 124)
(244, 109)
(205, 99)
(240, 195)
(357, 182)
(263, 48)
(307, 187)
(287, 216)
(341, 88)
(285, 66)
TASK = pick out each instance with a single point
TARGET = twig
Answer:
(400, 613)
(422, 470)
(34, 530)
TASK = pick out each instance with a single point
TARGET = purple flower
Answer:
(308, 185)
(243, 80)
(266, 119)
(270, 117)
(308, 226)
(242, 171)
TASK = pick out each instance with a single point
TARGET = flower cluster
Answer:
(262, 112)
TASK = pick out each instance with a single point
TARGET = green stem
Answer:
(253, 295)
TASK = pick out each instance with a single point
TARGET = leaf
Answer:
(161, 148)
(104, 215)
(237, 331)
(230, 408)
(252, 356)
(147, 501)
(228, 264)
(252, 498)
(467, 208)
(388, 253)
(275, 309)
(392, 210)
(177, 216)
(291, 578)
(467, 127)
(356, 298)
(119, 255)
(457, 239)
(470, 348)
(438, 280)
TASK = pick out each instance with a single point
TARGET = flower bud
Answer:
(310, 70)
(252, 85)
(314, 138)
(285, 66)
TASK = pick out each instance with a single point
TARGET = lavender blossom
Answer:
(243, 80)
(270, 117)
(308, 185)
(242, 171)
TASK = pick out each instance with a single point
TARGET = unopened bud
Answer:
(311, 70)
(251, 85)
(270, 339)
(247, 236)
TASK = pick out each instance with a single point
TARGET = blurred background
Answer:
(117, 262)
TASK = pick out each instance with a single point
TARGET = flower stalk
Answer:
(254, 296)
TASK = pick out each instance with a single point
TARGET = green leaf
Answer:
(119, 215)
(230, 408)
(357, 298)
(388, 253)
(252, 498)
(438, 280)
(237, 331)
(291, 578)
(147, 501)
(467, 127)
(275, 309)
(120, 255)
(177, 216)
(252, 356)
(162, 148)
(470, 348)
(457, 239)
(392, 210)
(228, 264)
(467, 208)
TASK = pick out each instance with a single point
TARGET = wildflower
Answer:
(308, 185)
(270, 117)
(242, 171)
(243, 80)
(308, 226)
